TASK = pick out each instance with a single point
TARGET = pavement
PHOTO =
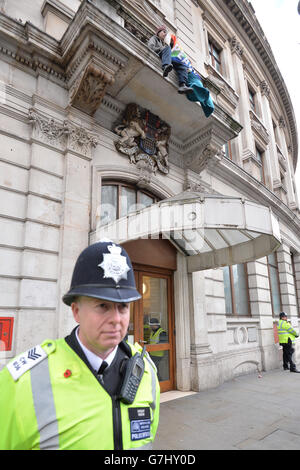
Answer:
(251, 412)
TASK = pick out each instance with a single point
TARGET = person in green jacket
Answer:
(158, 335)
(91, 390)
(287, 335)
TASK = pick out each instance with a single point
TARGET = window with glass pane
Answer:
(145, 200)
(156, 317)
(236, 290)
(252, 99)
(128, 201)
(227, 289)
(274, 284)
(109, 204)
(119, 200)
(240, 289)
(260, 157)
(215, 56)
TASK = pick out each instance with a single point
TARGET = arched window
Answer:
(120, 199)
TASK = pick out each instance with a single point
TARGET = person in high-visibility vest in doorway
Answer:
(158, 335)
(287, 335)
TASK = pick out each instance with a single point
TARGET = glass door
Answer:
(152, 325)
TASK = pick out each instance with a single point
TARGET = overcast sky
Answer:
(280, 22)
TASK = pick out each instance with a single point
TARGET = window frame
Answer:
(122, 184)
(252, 99)
(228, 150)
(233, 295)
(261, 160)
(212, 48)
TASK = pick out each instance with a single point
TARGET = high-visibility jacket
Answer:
(154, 339)
(49, 399)
(285, 331)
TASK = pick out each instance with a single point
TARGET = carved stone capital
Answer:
(281, 122)
(63, 135)
(235, 46)
(47, 129)
(265, 89)
(80, 140)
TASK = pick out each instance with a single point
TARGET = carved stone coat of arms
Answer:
(144, 139)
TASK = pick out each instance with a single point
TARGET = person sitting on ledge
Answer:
(157, 43)
(172, 56)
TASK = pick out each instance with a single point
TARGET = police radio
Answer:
(134, 372)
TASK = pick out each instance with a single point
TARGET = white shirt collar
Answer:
(93, 359)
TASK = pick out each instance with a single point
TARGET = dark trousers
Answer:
(180, 69)
(288, 355)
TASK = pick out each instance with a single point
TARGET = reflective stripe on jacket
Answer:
(59, 404)
(285, 331)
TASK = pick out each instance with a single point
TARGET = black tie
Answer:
(102, 368)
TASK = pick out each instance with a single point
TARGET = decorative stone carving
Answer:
(235, 46)
(265, 89)
(89, 89)
(80, 140)
(144, 139)
(48, 130)
(199, 160)
(281, 122)
(63, 135)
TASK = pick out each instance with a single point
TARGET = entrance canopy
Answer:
(211, 230)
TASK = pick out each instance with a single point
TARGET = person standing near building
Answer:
(90, 390)
(158, 335)
(287, 335)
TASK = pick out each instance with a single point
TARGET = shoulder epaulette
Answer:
(25, 361)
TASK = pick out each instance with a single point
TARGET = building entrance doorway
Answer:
(152, 317)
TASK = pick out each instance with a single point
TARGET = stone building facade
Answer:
(71, 72)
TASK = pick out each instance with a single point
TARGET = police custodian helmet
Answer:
(104, 271)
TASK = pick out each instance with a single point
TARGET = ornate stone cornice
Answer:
(244, 14)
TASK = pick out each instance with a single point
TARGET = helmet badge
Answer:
(114, 264)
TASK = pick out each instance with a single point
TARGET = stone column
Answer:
(182, 324)
(287, 284)
(261, 307)
(247, 141)
(205, 371)
(286, 164)
(40, 256)
(75, 220)
(267, 119)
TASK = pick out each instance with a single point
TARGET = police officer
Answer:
(83, 392)
(158, 335)
(287, 335)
